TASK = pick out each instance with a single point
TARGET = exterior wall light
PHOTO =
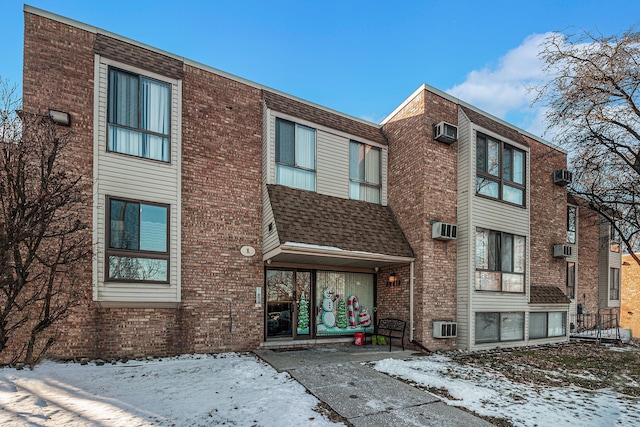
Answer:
(60, 117)
(394, 280)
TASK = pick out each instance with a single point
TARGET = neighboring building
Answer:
(230, 216)
(593, 271)
(630, 296)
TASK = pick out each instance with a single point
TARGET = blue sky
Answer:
(362, 58)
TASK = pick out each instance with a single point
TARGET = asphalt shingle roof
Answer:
(548, 295)
(494, 126)
(315, 219)
(322, 117)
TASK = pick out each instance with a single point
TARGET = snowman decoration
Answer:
(328, 318)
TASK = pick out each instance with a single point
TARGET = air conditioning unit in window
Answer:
(561, 251)
(444, 231)
(445, 329)
(562, 177)
(445, 132)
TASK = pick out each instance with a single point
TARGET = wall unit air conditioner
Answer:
(445, 329)
(444, 231)
(562, 251)
(562, 177)
(445, 132)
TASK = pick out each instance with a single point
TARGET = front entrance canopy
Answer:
(316, 229)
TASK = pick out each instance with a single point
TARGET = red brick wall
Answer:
(548, 216)
(588, 250)
(393, 301)
(221, 191)
(58, 74)
(221, 212)
(422, 188)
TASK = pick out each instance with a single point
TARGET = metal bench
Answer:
(392, 329)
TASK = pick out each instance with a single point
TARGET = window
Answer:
(500, 170)
(615, 239)
(364, 172)
(571, 280)
(345, 301)
(500, 261)
(295, 155)
(547, 324)
(496, 327)
(137, 236)
(138, 116)
(614, 283)
(571, 224)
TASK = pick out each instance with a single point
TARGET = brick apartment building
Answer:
(230, 216)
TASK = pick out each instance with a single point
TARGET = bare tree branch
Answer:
(593, 102)
(44, 234)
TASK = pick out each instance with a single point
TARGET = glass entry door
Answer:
(303, 305)
(288, 304)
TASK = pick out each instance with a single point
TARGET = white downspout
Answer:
(411, 302)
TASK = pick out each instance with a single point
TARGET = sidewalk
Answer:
(339, 376)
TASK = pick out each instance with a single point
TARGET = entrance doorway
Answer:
(288, 304)
(305, 304)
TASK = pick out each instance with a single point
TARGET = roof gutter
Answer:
(335, 253)
(411, 301)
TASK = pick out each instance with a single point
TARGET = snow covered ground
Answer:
(228, 389)
(241, 390)
(489, 393)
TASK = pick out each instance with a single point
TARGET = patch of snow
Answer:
(195, 390)
(489, 393)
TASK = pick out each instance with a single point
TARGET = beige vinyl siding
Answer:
(606, 260)
(464, 256)
(332, 165)
(573, 306)
(499, 216)
(270, 166)
(603, 266)
(384, 165)
(118, 175)
(269, 239)
(503, 217)
(332, 157)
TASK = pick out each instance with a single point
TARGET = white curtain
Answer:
(156, 118)
(297, 178)
(305, 147)
(156, 148)
(155, 106)
(372, 165)
(125, 109)
(305, 157)
(125, 141)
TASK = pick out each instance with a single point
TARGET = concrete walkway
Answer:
(338, 376)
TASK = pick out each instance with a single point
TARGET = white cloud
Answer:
(503, 90)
